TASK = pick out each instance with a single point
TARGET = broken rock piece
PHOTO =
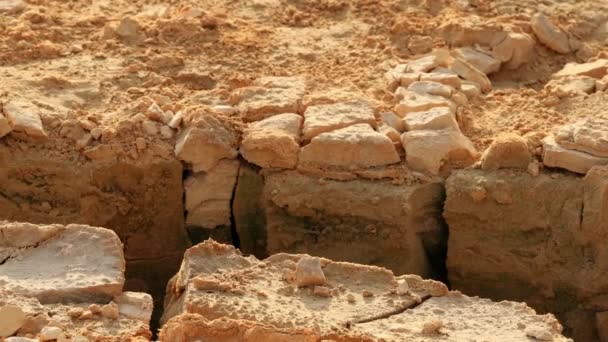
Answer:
(203, 146)
(11, 319)
(136, 305)
(24, 120)
(514, 50)
(269, 96)
(273, 142)
(309, 273)
(432, 119)
(481, 61)
(357, 146)
(431, 88)
(208, 195)
(588, 135)
(325, 118)
(596, 69)
(56, 263)
(555, 155)
(416, 102)
(5, 126)
(432, 151)
(506, 151)
(470, 73)
(549, 34)
(571, 86)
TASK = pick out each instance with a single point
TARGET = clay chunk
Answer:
(549, 34)
(555, 155)
(56, 263)
(24, 120)
(506, 151)
(204, 147)
(309, 272)
(326, 118)
(270, 96)
(589, 135)
(273, 142)
(357, 146)
(431, 151)
(208, 195)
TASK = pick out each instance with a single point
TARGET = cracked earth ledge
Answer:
(457, 141)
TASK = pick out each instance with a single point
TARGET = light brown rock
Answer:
(471, 89)
(432, 119)
(416, 102)
(596, 69)
(431, 88)
(470, 73)
(309, 273)
(357, 146)
(205, 146)
(506, 151)
(269, 96)
(514, 50)
(433, 151)
(549, 34)
(391, 119)
(135, 305)
(11, 319)
(24, 120)
(571, 86)
(208, 195)
(480, 60)
(5, 127)
(588, 135)
(273, 142)
(56, 263)
(390, 132)
(555, 155)
(325, 118)
(443, 77)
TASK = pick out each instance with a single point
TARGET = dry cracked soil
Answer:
(303, 170)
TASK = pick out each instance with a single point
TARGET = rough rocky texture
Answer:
(507, 151)
(483, 62)
(596, 69)
(24, 120)
(523, 224)
(357, 146)
(269, 96)
(65, 283)
(203, 147)
(273, 142)
(342, 221)
(326, 118)
(549, 34)
(554, 155)
(209, 194)
(58, 263)
(589, 135)
(438, 151)
(219, 294)
(418, 102)
(434, 119)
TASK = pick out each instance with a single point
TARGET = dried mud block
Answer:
(470, 73)
(395, 226)
(269, 96)
(208, 195)
(24, 120)
(431, 88)
(56, 263)
(588, 135)
(508, 218)
(443, 77)
(457, 312)
(203, 147)
(273, 142)
(515, 50)
(506, 151)
(483, 62)
(326, 118)
(357, 146)
(135, 305)
(219, 294)
(434, 119)
(417, 102)
(555, 155)
(571, 86)
(549, 34)
(85, 321)
(248, 212)
(438, 151)
(596, 69)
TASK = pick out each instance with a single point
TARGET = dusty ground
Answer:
(91, 69)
